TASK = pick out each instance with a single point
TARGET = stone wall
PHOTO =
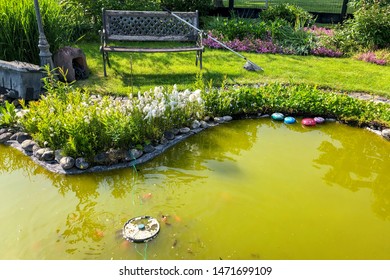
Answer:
(20, 80)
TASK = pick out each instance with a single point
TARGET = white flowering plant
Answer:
(71, 119)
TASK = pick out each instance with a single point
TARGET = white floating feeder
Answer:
(141, 229)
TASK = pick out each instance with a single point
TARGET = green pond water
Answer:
(250, 189)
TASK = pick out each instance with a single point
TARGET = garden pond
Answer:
(248, 189)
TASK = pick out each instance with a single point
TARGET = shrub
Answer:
(237, 28)
(69, 119)
(90, 11)
(368, 29)
(294, 15)
(295, 100)
(297, 41)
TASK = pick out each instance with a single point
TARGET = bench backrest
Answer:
(149, 26)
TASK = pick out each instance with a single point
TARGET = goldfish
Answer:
(147, 196)
(99, 233)
(164, 219)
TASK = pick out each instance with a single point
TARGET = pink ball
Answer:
(308, 122)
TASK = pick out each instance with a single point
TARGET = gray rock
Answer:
(164, 140)
(20, 136)
(134, 154)
(195, 124)
(386, 134)
(116, 155)
(330, 120)
(264, 116)
(81, 163)
(67, 163)
(149, 148)
(218, 120)
(175, 131)
(38, 153)
(3, 130)
(227, 118)
(28, 145)
(58, 155)
(48, 155)
(185, 130)
(169, 135)
(206, 119)
(204, 124)
(5, 137)
(35, 148)
(101, 158)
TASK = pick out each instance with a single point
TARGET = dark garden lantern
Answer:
(44, 47)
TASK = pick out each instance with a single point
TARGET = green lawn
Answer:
(329, 6)
(167, 69)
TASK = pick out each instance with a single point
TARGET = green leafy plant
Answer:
(8, 114)
(237, 27)
(368, 29)
(70, 119)
(294, 15)
(295, 100)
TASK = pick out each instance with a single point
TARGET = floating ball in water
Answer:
(289, 120)
(308, 122)
(319, 119)
(277, 116)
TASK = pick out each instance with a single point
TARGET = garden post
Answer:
(231, 4)
(344, 10)
(44, 47)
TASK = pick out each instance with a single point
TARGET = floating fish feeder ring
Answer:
(141, 229)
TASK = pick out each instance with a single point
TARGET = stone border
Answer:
(53, 162)
(53, 165)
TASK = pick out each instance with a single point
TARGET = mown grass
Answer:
(167, 69)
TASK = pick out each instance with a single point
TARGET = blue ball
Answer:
(289, 120)
(277, 116)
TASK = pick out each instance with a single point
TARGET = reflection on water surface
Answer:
(251, 189)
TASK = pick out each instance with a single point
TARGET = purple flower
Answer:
(371, 58)
(323, 51)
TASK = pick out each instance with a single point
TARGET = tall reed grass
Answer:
(19, 29)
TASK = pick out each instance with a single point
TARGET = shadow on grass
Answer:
(164, 79)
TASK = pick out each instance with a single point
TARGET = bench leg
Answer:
(199, 58)
(104, 64)
(106, 60)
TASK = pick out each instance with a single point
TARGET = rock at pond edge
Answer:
(67, 163)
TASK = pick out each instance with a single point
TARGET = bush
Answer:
(90, 11)
(368, 29)
(69, 119)
(19, 30)
(294, 15)
(295, 100)
(237, 28)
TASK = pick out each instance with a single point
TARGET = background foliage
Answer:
(19, 30)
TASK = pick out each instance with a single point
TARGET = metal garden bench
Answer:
(141, 26)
